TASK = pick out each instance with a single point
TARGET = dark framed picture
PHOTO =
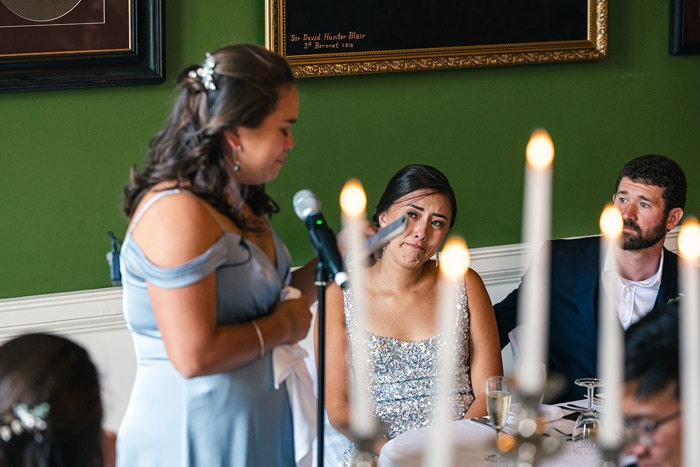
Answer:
(684, 30)
(322, 38)
(63, 44)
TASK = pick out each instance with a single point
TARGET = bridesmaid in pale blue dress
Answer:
(203, 270)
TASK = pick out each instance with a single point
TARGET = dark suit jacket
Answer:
(573, 319)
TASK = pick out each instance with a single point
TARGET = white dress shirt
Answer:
(634, 298)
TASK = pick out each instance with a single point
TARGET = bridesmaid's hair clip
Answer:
(29, 420)
(206, 72)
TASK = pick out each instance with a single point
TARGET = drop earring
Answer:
(437, 259)
(237, 162)
(236, 150)
(380, 253)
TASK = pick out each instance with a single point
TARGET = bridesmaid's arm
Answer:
(197, 346)
(173, 231)
(484, 348)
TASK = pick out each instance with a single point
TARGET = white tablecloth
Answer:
(472, 442)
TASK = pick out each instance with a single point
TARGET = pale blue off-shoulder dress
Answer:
(236, 418)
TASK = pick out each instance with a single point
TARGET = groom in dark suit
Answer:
(650, 193)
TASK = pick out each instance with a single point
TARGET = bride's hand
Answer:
(367, 230)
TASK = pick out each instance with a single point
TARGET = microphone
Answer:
(308, 208)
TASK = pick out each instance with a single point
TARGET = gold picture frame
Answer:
(338, 40)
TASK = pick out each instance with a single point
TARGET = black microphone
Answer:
(308, 209)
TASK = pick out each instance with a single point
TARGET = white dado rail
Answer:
(94, 319)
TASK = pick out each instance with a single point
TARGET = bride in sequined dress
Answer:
(403, 344)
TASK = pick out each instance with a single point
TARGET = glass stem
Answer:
(590, 398)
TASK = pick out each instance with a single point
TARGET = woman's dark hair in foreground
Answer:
(651, 352)
(416, 177)
(53, 378)
(192, 148)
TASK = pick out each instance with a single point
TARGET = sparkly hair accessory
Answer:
(206, 72)
(30, 420)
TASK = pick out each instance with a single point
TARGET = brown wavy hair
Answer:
(191, 149)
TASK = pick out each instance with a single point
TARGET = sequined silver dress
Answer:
(403, 374)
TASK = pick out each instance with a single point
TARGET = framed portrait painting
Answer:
(63, 44)
(322, 38)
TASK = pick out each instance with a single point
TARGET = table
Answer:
(473, 441)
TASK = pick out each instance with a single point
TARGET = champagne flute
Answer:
(498, 397)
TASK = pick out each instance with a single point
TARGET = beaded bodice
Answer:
(403, 374)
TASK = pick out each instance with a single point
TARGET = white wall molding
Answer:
(67, 312)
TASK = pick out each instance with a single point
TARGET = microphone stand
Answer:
(322, 278)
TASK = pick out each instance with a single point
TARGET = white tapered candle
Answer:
(689, 246)
(611, 350)
(353, 203)
(533, 305)
(454, 261)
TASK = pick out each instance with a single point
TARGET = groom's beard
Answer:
(642, 240)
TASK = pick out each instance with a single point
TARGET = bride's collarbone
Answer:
(424, 295)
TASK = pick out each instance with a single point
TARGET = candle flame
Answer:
(353, 200)
(689, 240)
(611, 221)
(454, 258)
(540, 149)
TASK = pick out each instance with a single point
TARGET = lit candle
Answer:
(689, 246)
(611, 350)
(353, 202)
(533, 304)
(454, 261)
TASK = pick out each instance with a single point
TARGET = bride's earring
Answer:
(380, 253)
(437, 259)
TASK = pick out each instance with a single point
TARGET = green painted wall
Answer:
(66, 154)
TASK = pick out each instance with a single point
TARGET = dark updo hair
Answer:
(44, 368)
(660, 171)
(412, 178)
(192, 148)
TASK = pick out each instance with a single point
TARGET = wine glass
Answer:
(587, 424)
(498, 397)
